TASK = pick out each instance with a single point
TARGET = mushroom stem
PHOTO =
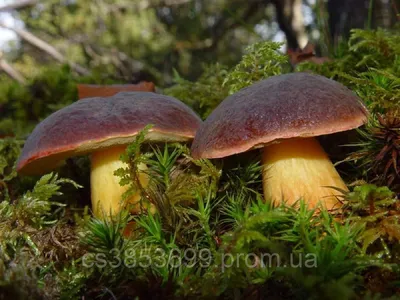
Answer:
(106, 192)
(300, 168)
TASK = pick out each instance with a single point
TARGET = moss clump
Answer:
(204, 94)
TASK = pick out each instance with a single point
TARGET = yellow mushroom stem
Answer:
(300, 168)
(106, 192)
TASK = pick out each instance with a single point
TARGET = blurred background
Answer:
(130, 41)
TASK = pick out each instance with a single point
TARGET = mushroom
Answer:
(283, 115)
(94, 90)
(103, 126)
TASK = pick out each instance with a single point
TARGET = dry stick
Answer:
(18, 5)
(46, 47)
(10, 71)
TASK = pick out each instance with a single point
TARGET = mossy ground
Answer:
(213, 235)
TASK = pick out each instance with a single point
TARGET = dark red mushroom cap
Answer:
(280, 107)
(95, 123)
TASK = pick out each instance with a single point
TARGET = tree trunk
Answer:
(347, 14)
(290, 19)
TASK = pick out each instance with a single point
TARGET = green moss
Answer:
(205, 93)
(260, 61)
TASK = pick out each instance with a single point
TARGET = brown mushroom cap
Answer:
(95, 123)
(93, 90)
(280, 107)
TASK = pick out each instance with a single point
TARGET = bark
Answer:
(347, 14)
(290, 19)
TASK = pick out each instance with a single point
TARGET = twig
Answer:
(53, 238)
(44, 46)
(10, 71)
(18, 5)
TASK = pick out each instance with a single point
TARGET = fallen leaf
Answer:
(93, 90)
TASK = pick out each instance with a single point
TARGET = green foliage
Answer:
(205, 93)
(27, 223)
(133, 157)
(50, 90)
(18, 279)
(377, 211)
(243, 176)
(72, 280)
(360, 198)
(172, 186)
(10, 149)
(161, 167)
(312, 253)
(378, 48)
(380, 89)
(261, 61)
(34, 209)
(102, 236)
